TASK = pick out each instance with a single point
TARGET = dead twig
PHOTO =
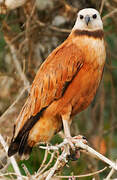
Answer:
(102, 6)
(110, 174)
(26, 171)
(46, 166)
(63, 157)
(12, 159)
(18, 66)
(53, 27)
(12, 173)
(109, 14)
(84, 175)
(13, 104)
(44, 160)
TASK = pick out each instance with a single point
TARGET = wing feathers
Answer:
(50, 83)
(59, 68)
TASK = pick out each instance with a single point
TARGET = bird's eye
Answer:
(94, 16)
(81, 16)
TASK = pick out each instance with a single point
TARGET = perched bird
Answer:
(65, 85)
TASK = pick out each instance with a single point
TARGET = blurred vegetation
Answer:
(34, 30)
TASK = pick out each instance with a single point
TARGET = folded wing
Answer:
(49, 85)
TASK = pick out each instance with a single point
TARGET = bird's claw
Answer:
(72, 140)
(74, 151)
(80, 137)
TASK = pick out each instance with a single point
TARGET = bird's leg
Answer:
(73, 153)
(66, 125)
(66, 128)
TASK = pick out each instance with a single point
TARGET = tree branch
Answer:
(109, 14)
(84, 175)
(12, 159)
(63, 157)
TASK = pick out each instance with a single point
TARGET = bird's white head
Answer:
(88, 19)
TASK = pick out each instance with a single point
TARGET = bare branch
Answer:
(17, 65)
(13, 104)
(88, 149)
(102, 5)
(12, 159)
(47, 165)
(26, 171)
(84, 175)
(53, 27)
(55, 167)
(63, 157)
(91, 151)
(44, 160)
(109, 14)
(110, 174)
(12, 173)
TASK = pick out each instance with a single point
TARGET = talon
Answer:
(75, 152)
(74, 155)
(69, 139)
(83, 138)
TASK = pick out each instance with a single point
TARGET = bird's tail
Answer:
(20, 145)
(32, 133)
(20, 142)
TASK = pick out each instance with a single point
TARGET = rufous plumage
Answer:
(65, 85)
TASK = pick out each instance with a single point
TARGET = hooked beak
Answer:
(87, 19)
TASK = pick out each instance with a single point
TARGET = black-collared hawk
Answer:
(65, 85)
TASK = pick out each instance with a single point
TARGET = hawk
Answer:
(65, 85)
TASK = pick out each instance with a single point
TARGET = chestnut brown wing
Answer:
(49, 84)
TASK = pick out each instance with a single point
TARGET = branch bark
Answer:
(63, 157)
(12, 159)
